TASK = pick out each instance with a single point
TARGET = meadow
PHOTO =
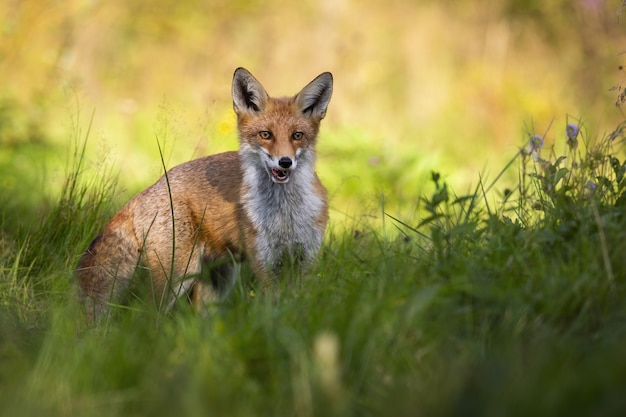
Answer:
(474, 260)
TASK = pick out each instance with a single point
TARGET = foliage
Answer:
(506, 300)
(475, 308)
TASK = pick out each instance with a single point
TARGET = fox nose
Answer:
(285, 162)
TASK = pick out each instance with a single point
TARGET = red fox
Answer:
(264, 204)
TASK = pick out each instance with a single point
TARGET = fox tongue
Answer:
(279, 174)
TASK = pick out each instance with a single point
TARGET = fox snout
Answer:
(285, 162)
(281, 169)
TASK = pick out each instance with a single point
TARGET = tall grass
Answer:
(505, 305)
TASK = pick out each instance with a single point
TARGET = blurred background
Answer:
(455, 86)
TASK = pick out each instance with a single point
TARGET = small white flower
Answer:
(591, 186)
(535, 143)
(571, 130)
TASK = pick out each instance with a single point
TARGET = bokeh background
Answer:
(454, 86)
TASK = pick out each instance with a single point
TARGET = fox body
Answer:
(263, 203)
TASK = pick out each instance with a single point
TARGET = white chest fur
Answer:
(285, 216)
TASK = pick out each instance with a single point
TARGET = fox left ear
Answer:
(248, 94)
(314, 98)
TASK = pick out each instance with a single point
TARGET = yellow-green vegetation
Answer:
(446, 85)
(473, 151)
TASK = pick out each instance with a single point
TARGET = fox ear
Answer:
(314, 98)
(248, 94)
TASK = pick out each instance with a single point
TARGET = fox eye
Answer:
(264, 134)
(297, 135)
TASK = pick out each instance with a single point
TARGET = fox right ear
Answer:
(248, 94)
(314, 98)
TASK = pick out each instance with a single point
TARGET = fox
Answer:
(263, 204)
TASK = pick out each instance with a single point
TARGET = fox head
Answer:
(278, 135)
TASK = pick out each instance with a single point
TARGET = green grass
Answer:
(477, 304)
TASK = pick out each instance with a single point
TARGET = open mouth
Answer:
(280, 175)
